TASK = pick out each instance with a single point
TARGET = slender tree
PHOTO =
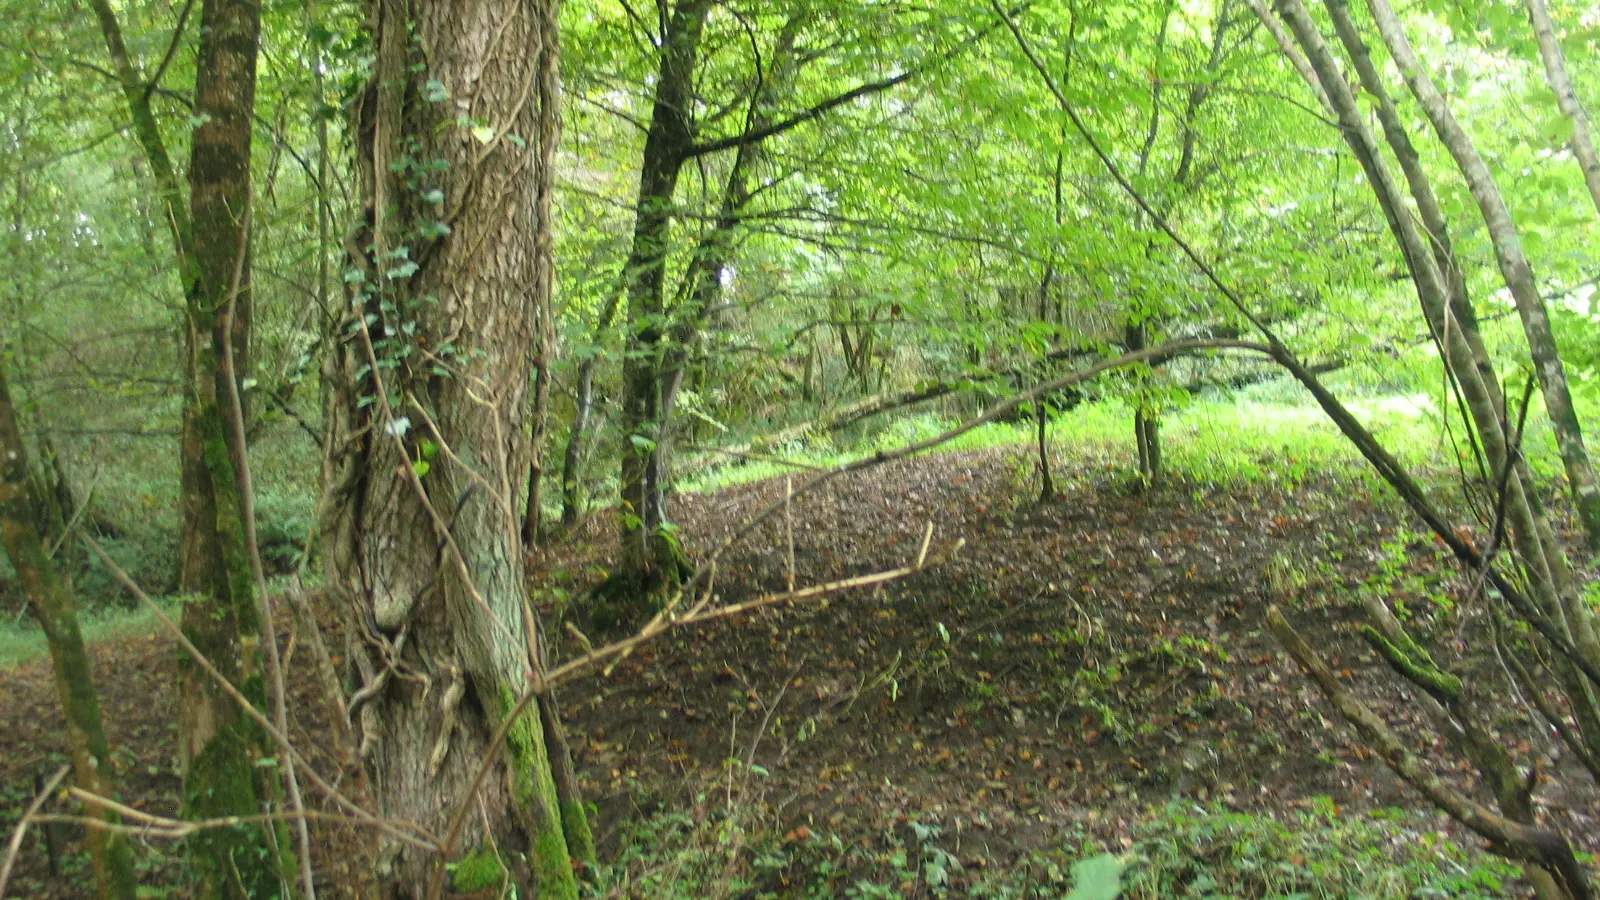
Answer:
(1514, 268)
(218, 745)
(54, 607)
(1555, 69)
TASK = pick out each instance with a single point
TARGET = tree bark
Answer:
(648, 556)
(218, 745)
(1555, 70)
(430, 441)
(1514, 268)
(53, 605)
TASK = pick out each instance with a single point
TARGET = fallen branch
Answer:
(540, 683)
(1513, 839)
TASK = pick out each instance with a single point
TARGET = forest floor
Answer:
(1088, 672)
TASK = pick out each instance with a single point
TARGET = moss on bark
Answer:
(480, 870)
(534, 793)
(575, 825)
(245, 861)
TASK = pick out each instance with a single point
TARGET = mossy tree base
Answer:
(247, 861)
(628, 598)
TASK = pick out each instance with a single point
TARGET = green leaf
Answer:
(421, 467)
(1096, 878)
(483, 133)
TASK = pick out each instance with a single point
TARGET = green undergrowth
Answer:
(1177, 850)
(1259, 438)
(21, 640)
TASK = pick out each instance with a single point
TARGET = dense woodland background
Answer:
(486, 448)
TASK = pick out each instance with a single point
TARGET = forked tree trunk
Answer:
(52, 604)
(430, 443)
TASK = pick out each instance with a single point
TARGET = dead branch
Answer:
(1514, 839)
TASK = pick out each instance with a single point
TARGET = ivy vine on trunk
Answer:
(429, 442)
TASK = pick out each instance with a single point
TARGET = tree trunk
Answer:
(218, 746)
(52, 603)
(1437, 229)
(572, 457)
(549, 75)
(1514, 268)
(1555, 70)
(430, 440)
(649, 557)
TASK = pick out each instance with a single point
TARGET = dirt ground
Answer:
(1078, 660)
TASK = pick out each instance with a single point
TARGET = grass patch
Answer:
(1176, 850)
(1218, 441)
(21, 640)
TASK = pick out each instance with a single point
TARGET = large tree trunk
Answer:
(429, 438)
(218, 745)
(52, 603)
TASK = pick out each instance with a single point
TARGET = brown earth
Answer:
(1078, 661)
